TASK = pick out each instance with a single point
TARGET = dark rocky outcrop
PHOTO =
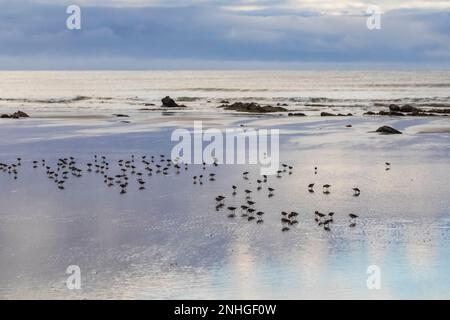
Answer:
(328, 114)
(296, 114)
(394, 108)
(408, 108)
(16, 115)
(387, 130)
(405, 108)
(440, 111)
(252, 107)
(390, 113)
(119, 115)
(168, 102)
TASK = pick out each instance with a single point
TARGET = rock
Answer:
(408, 108)
(327, 114)
(421, 114)
(439, 111)
(16, 115)
(370, 113)
(224, 102)
(119, 115)
(390, 113)
(252, 107)
(348, 126)
(387, 130)
(394, 107)
(149, 104)
(21, 114)
(297, 114)
(168, 102)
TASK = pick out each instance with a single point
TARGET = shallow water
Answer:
(169, 241)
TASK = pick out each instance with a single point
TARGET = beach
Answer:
(171, 241)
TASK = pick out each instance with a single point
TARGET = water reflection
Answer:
(170, 242)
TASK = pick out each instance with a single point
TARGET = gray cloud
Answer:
(33, 35)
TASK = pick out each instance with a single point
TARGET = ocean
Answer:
(103, 91)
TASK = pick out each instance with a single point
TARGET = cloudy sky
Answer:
(202, 34)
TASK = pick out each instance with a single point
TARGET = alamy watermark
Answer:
(229, 146)
(73, 21)
(374, 20)
(73, 282)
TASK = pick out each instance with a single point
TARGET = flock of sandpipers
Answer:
(288, 219)
(129, 170)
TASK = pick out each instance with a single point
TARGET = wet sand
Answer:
(169, 241)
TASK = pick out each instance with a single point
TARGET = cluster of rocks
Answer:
(16, 115)
(252, 107)
(408, 110)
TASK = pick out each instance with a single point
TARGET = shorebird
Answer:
(326, 188)
(357, 192)
(285, 220)
(220, 199)
(292, 214)
(285, 229)
(352, 216)
(318, 216)
(310, 187)
(232, 209)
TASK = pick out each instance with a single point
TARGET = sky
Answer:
(224, 34)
